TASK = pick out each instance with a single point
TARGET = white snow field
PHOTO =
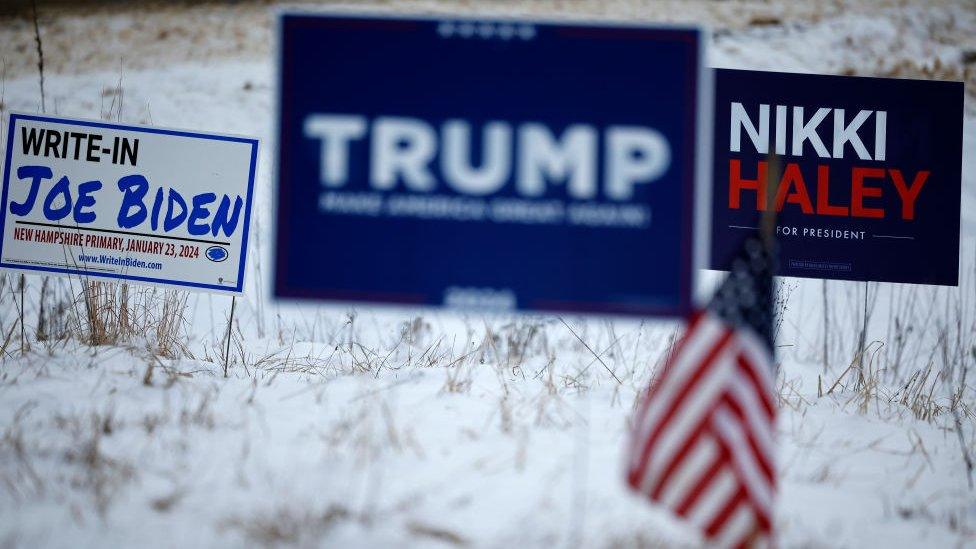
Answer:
(362, 427)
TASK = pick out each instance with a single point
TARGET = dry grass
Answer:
(101, 313)
(289, 525)
(117, 313)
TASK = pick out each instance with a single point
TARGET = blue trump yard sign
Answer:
(869, 178)
(489, 164)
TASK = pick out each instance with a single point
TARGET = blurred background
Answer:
(351, 426)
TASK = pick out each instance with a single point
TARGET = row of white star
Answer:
(504, 31)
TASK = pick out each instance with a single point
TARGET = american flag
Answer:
(703, 436)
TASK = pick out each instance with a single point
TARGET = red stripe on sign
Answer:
(747, 369)
(694, 438)
(681, 396)
(706, 480)
(738, 498)
(760, 456)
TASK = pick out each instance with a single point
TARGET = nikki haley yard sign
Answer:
(870, 173)
(132, 203)
(495, 164)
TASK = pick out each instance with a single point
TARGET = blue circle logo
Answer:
(216, 254)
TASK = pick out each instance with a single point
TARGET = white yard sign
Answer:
(134, 203)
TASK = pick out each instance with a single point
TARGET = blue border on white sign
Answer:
(238, 289)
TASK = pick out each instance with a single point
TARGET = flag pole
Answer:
(767, 222)
(230, 323)
(863, 338)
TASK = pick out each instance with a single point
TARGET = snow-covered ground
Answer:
(384, 428)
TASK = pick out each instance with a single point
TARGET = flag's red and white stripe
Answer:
(703, 437)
